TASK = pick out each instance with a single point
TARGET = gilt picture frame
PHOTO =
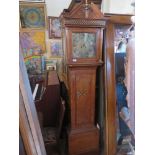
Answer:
(32, 15)
(54, 27)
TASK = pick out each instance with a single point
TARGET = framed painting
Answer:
(54, 27)
(54, 64)
(55, 48)
(33, 65)
(32, 43)
(40, 1)
(32, 15)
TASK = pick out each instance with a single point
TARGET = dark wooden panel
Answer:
(110, 107)
(50, 103)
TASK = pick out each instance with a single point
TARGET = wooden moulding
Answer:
(110, 99)
(118, 18)
(109, 75)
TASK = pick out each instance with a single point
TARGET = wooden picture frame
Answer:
(54, 27)
(32, 42)
(55, 48)
(32, 15)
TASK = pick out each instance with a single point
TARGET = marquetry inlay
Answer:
(81, 93)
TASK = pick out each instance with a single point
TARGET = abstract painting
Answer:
(32, 15)
(32, 43)
(56, 48)
(33, 65)
(54, 27)
(84, 45)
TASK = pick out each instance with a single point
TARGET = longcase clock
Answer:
(83, 28)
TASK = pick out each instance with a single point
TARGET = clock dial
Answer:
(84, 45)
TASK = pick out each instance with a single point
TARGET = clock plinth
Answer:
(83, 140)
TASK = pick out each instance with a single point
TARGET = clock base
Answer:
(83, 141)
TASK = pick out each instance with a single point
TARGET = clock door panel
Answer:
(83, 100)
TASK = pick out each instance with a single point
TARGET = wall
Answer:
(117, 6)
(55, 7)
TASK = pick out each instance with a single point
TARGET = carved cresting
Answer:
(84, 14)
(84, 22)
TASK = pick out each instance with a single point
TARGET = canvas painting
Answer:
(84, 45)
(56, 48)
(32, 15)
(32, 43)
(54, 64)
(51, 64)
(33, 65)
(54, 27)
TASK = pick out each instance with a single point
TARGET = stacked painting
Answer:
(32, 34)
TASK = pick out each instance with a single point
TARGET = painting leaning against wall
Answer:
(33, 65)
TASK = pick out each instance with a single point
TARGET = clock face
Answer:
(84, 45)
(32, 17)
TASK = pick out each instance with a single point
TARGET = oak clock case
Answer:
(82, 42)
